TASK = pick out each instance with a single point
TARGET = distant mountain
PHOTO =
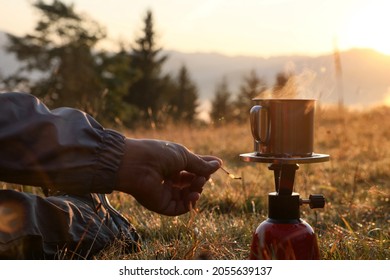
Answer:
(365, 73)
(365, 76)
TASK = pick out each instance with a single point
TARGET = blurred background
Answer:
(151, 62)
(187, 71)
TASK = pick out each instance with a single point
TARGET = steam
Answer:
(305, 84)
(291, 85)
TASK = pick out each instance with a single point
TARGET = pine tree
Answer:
(147, 90)
(252, 87)
(117, 77)
(61, 49)
(221, 107)
(184, 102)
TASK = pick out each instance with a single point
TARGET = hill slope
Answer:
(365, 73)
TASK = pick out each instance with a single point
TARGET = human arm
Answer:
(63, 149)
(66, 149)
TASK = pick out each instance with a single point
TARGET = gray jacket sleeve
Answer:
(63, 149)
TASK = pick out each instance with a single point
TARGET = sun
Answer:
(367, 26)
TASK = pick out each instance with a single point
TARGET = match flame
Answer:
(230, 174)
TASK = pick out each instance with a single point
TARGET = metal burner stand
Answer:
(284, 235)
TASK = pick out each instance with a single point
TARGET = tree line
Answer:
(60, 65)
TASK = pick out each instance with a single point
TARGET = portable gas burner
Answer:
(283, 137)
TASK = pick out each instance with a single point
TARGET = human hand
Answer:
(164, 177)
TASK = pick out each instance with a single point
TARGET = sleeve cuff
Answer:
(110, 154)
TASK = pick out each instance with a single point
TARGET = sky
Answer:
(231, 27)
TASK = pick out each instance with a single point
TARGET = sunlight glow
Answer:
(387, 98)
(367, 27)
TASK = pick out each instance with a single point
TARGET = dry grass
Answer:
(356, 183)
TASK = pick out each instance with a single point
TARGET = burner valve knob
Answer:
(314, 201)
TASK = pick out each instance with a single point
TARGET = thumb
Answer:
(202, 165)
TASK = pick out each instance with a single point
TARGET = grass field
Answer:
(356, 183)
(355, 223)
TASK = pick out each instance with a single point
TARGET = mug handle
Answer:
(259, 124)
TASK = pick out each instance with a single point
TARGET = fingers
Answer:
(185, 179)
(183, 197)
(197, 184)
(202, 165)
(192, 194)
(210, 158)
(181, 206)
